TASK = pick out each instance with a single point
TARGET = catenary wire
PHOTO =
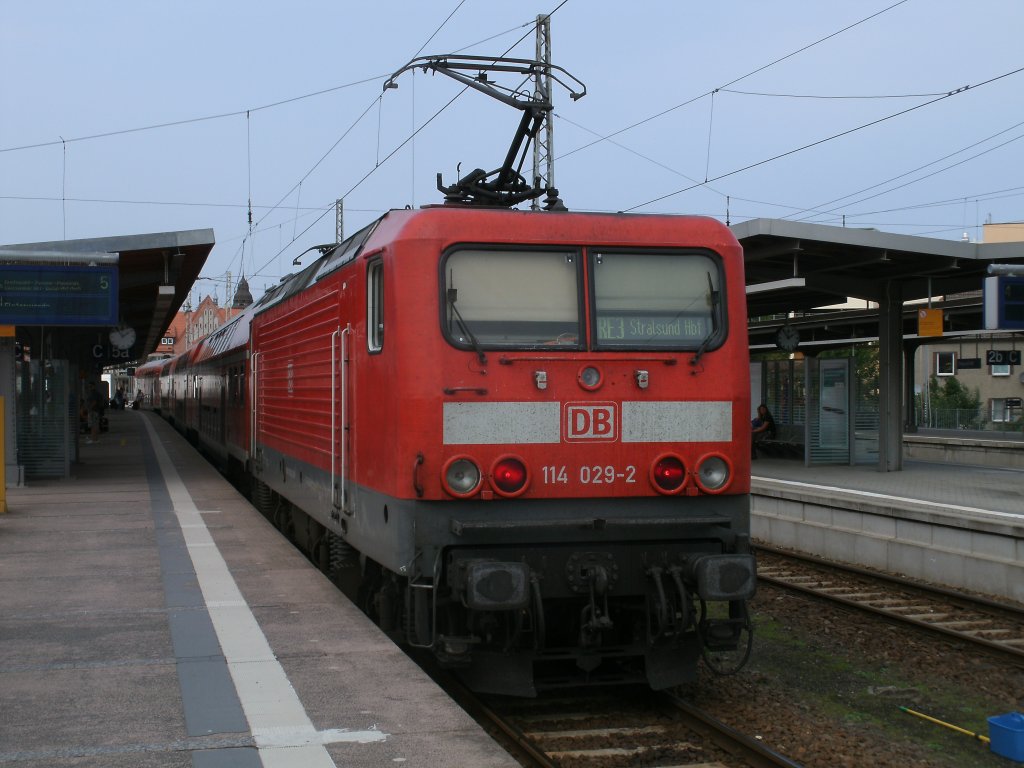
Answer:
(832, 96)
(189, 120)
(817, 209)
(832, 137)
(753, 72)
(393, 152)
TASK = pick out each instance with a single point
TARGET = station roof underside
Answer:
(155, 274)
(795, 267)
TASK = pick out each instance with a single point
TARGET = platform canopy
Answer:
(798, 267)
(793, 269)
(154, 275)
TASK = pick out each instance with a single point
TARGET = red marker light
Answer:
(668, 474)
(509, 476)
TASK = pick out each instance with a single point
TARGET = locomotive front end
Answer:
(585, 515)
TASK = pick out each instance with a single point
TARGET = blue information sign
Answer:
(58, 295)
(1004, 303)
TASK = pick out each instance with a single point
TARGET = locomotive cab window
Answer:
(656, 300)
(375, 306)
(511, 298)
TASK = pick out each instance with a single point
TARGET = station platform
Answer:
(936, 483)
(149, 616)
(955, 525)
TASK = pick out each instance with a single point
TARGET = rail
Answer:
(996, 627)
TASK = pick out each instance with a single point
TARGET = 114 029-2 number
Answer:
(595, 474)
(606, 475)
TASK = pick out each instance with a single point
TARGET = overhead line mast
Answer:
(544, 144)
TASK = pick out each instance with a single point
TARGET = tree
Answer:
(951, 395)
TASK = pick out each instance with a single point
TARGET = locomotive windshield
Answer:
(654, 300)
(532, 298)
(512, 298)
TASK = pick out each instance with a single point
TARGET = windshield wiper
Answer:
(451, 297)
(715, 303)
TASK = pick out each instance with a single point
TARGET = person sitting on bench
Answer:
(762, 427)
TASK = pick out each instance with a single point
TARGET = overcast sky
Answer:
(135, 117)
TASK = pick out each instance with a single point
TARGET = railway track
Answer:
(995, 627)
(621, 727)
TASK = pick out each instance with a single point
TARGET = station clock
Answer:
(787, 338)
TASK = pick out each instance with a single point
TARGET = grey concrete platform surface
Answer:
(954, 525)
(149, 616)
(978, 448)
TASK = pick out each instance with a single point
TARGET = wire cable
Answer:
(365, 176)
(834, 136)
(832, 96)
(379, 162)
(114, 201)
(407, 140)
(817, 209)
(711, 124)
(998, 194)
(64, 186)
(443, 23)
(738, 79)
(187, 121)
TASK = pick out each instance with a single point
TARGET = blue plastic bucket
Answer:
(1006, 735)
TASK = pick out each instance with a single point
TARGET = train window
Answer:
(512, 298)
(375, 306)
(656, 300)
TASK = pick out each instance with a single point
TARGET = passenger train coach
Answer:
(526, 433)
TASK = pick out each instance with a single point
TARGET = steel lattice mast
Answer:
(544, 144)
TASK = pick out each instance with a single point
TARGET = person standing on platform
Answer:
(92, 404)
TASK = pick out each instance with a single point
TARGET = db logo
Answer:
(590, 421)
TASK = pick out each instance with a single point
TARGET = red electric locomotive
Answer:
(526, 431)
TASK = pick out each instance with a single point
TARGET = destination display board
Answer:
(652, 328)
(58, 295)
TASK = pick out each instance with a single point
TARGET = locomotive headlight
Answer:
(668, 474)
(589, 377)
(461, 476)
(509, 476)
(714, 473)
